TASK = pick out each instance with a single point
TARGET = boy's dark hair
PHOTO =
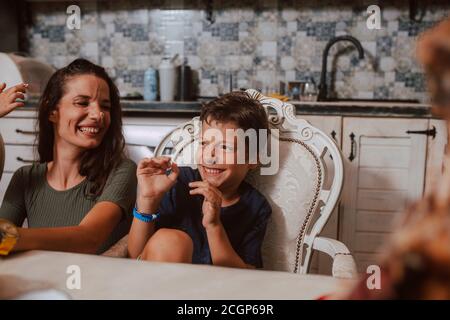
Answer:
(238, 107)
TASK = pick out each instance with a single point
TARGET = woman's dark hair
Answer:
(96, 164)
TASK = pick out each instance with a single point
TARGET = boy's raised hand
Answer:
(8, 97)
(211, 204)
(153, 181)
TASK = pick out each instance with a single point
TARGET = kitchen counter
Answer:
(341, 108)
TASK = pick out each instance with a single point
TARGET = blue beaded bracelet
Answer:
(145, 217)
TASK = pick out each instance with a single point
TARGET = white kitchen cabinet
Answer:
(17, 130)
(19, 135)
(18, 156)
(385, 171)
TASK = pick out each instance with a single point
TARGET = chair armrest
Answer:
(119, 249)
(343, 263)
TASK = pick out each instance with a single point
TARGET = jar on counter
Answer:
(167, 79)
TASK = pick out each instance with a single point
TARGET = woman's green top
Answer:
(30, 196)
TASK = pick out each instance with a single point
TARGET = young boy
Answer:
(209, 215)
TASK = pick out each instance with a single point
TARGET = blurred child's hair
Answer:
(433, 51)
(417, 257)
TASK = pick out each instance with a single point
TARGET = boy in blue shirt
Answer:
(209, 215)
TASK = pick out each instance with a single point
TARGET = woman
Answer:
(79, 197)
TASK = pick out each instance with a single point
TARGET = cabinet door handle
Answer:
(429, 132)
(352, 155)
(333, 135)
(25, 160)
(26, 132)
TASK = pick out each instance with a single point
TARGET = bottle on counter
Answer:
(185, 82)
(150, 85)
(167, 79)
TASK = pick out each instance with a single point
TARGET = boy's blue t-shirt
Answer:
(244, 222)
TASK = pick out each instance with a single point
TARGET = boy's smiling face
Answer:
(217, 156)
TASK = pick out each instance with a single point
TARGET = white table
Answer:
(118, 278)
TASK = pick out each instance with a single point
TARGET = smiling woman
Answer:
(79, 198)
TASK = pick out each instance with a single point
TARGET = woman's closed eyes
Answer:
(85, 103)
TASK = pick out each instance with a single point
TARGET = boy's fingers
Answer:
(151, 171)
(162, 159)
(2, 86)
(204, 184)
(143, 163)
(162, 162)
(199, 191)
(148, 164)
(207, 193)
(154, 164)
(196, 184)
(175, 171)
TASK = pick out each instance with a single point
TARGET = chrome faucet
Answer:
(323, 90)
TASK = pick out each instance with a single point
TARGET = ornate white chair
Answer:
(299, 194)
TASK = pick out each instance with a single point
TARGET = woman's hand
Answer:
(153, 181)
(8, 97)
(211, 204)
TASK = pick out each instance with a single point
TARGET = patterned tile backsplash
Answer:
(258, 43)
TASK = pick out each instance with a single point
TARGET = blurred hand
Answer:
(8, 97)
